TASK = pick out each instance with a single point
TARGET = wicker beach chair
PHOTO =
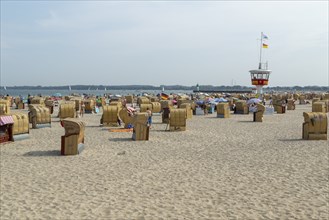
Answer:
(140, 130)
(125, 117)
(39, 115)
(19, 103)
(110, 116)
(50, 105)
(129, 99)
(302, 99)
(11, 100)
(166, 104)
(258, 115)
(241, 107)
(72, 142)
(315, 126)
(38, 101)
(4, 106)
(181, 101)
(315, 100)
(279, 108)
(116, 103)
(3, 109)
(291, 104)
(177, 119)
(326, 101)
(143, 100)
(325, 96)
(223, 110)
(144, 107)
(67, 110)
(189, 112)
(154, 99)
(319, 107)
(89, 105)
(68, 97)
(6, 128)
(21, 123)
(77, 103)
(156, 107)
(185, 100)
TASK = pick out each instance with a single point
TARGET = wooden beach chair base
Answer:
(70, 145)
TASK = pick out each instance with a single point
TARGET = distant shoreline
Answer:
(166, 87)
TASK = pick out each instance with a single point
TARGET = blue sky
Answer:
(153, 43)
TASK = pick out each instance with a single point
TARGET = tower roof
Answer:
(261, 71)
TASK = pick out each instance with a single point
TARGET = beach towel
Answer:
(120, 130)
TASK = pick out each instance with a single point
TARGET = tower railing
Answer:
(263, 66)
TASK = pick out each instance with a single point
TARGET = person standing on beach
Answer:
(149, 119)
(28, 99)
(82, 109)
(205, 109)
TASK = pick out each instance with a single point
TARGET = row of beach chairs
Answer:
(314, 127)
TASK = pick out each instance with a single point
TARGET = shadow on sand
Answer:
(160, 130)
(291, 139)
(120, 139)
(47, 153)
(213, 117)
(94, 126)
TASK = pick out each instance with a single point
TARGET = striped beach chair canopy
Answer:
(4, 120)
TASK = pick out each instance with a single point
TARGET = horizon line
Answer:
(140, 85)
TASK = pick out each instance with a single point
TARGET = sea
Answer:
(45, 92)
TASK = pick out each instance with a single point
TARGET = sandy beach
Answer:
(217, 169)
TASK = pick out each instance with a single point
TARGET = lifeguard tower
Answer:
(260, 76)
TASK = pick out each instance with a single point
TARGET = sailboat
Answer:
(70, 88)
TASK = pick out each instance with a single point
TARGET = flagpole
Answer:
(260, 53)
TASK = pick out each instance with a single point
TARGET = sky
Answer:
(53, 43)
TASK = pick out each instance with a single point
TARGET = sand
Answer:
(218, 169)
